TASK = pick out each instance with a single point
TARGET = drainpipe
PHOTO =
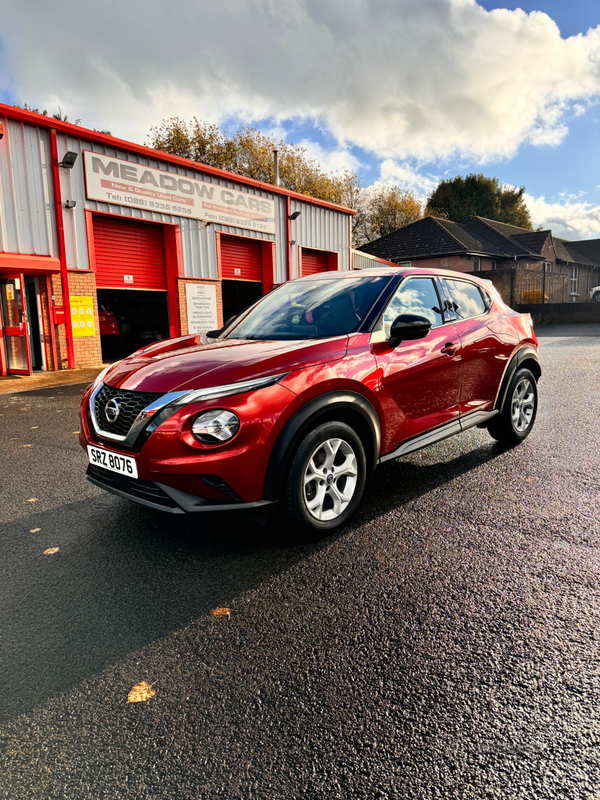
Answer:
(62, 250)
(288, 235)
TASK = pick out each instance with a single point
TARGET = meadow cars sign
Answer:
(124, 183)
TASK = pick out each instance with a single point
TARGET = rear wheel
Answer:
(326, 478)
(515, 421)
(596, 297)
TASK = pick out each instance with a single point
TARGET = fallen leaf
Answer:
(35, 530)
(141, 692)
(27, 445)
(32, 500)
(51, 550)
(221, 612)
(34, 428)
(76, 431)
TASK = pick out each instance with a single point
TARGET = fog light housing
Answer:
(215, 426)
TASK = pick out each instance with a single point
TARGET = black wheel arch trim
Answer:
(526, 353)
(303, 420)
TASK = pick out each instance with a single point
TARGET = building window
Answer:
(494, 264)
(574, 280)
(547, 266)
(476, 264)
(405, 264)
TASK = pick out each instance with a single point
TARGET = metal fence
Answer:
(527, 287)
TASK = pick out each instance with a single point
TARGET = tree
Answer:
(249, 152)
(475, 195)
(57, 115)
(388, 208)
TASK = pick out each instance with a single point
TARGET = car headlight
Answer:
(212, 392)
(215, 426)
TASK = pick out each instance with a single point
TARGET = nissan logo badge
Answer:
(111, 409)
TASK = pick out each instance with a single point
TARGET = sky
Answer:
(406, 92)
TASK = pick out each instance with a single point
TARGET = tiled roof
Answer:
(590, 248)
(499, 242)
(432, 237)
(533, 240)
(426, 237)
(572, 254)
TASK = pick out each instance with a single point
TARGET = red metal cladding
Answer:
(241, 259)
(129, 254)
(314, 261)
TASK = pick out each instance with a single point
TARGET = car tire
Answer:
(516, 419)
(596, 297)
(326, 479)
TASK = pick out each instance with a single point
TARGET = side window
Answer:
(467, 300)
(414, 296)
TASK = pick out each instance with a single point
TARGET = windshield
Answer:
(310, 309)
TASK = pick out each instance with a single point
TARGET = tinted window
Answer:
(466, 299)
(414, 296)
(309, 309)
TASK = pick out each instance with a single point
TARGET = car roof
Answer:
(370, 272)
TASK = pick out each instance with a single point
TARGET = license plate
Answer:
(124, 465)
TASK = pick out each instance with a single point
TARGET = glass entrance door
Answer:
(14, 325)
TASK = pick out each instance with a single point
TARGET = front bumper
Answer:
(160, 496)
(178, 474)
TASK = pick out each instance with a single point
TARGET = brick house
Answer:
(524, 265)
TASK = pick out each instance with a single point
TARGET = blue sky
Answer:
(402, 91)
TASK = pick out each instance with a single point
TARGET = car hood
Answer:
(195, 362)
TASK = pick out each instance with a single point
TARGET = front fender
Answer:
(345, 406)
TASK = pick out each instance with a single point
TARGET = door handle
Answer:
(449, 348)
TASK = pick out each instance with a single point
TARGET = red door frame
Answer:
(22, 330)
(173, 260)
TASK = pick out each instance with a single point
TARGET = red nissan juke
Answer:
(305, 391)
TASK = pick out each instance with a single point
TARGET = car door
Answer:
(419, 380)
(484, 354)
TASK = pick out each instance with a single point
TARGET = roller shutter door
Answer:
(314, 261)
(241, 259)
(129, 248)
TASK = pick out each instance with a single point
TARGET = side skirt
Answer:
(443, 432)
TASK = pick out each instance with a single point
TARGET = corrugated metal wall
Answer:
(198, 241)
(27, 218)
(364, 261)
(27, 222)
(322, 229)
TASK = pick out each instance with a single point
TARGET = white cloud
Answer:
(407, 178)
(330, 159)
(423, 79)
(568, 220)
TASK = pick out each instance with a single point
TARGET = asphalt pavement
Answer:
(444, 645)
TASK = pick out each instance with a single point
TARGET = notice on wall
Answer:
(125, 183)
(82, 315)
(201, 301)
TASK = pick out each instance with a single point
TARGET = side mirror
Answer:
(408, 327)
(216, 333)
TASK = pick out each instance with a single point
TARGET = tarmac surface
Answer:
(443, 645)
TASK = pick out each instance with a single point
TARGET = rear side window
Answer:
(467, 300)
(414, 296)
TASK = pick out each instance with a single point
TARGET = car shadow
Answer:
(125, 576)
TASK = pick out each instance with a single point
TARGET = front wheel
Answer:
(326, 478)
(515, 420)
(596, 297)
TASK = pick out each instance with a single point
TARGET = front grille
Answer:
(130, 405)
(133, 487)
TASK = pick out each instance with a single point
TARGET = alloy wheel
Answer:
(330, 479)
(523, 405)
